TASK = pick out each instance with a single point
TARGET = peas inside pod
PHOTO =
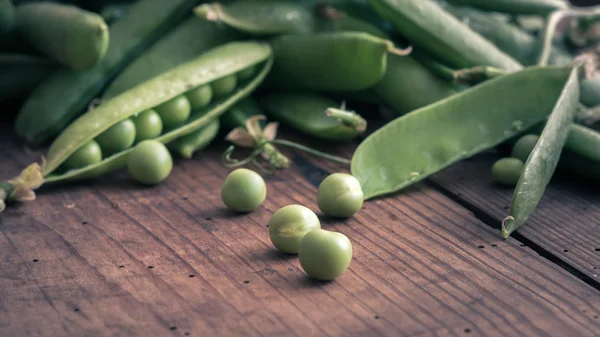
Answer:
(243, 190)
(150, 162)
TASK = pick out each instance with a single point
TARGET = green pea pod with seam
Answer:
(523, 46)
(261, 17)
(521, 7)
(185, 42)
(7, 17)
(64, 162)
(332, 19)
(196, 141)
(404, 152)
(543, 160)
(70, 35)
(306, 112)
(429, 27)
(20, 74)
(67, 93)
(238, 116)
(358, 9)
(331, 61)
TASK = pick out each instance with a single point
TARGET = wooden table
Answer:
(111, 258)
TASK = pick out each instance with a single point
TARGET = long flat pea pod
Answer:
(438, 32)
(541, 163)
(306, 112)
(332, 61)
(7, 17)
(261, 17)
(185, 42)
(21, 73)
(77, 152)
(72, 36)
(479, 118)
(66, 93)
(523, 7)
(196, 141)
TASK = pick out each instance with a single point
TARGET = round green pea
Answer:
(243, 190)
(523, 147)
(289, 224)
(325, 255)
(224, 85)
(150, 162)
(199, 97)
(340, 195)
(88, 154)
(245, 73)
(148, 125)
(117, 138)
(174, 112)
(507, 171)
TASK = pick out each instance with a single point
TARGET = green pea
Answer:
(199, 97)
(246, 73)
(243, 190)
(340, 195)
(117, 138)
(289, 224)
(507, 171)
(523, 147)
(224, 85)
(88, 154)
(150, 162)
(325, 255)
(148, 125)
(174, 112)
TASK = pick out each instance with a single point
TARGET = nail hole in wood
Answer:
(208, 219)
(481, 246)
(35, 260)
(597, 250)
(596, 316)
(584, 311)
(246, 282)
(184, 198)
(467, 330)
(494, 245)
(121, 267)
(173, 328)
(191, 275)
(150, 267)
(76, 309)
(267, 225)
(376, 316)
(522, 245)
(506, 208)
(84, 223)
(186, 334)
(565, 250)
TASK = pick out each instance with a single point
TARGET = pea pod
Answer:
(305, 112)
(332, 19)
(522, 7)
(261, 17)
(66, 93)
(187, 145)
(333, 61)
(185, 42)
(20, 74)
(542, 161)
(439, 33)
(583, 141)
(7, 17)
(72, 36)
(479, 118)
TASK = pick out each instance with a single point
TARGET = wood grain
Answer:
(423, 265)
(565, 223)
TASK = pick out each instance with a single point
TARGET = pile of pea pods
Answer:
(109, 85)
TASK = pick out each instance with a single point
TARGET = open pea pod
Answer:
(427, 140)
(331, 61)
(308, 112)
(220, 65)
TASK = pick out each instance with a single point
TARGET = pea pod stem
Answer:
(349, 118)
(311, 151)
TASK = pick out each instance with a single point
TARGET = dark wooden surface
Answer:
(111, 258)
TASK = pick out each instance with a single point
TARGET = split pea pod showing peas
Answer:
(175, 84)
(66, 93)
(403, 152)
(198, 140)
(185, 42)
(331, 61)
(72, 36)
(306, 112)
(537, 7)
(436, 31)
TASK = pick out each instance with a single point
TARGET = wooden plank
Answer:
(566, 223)
(417, 268)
